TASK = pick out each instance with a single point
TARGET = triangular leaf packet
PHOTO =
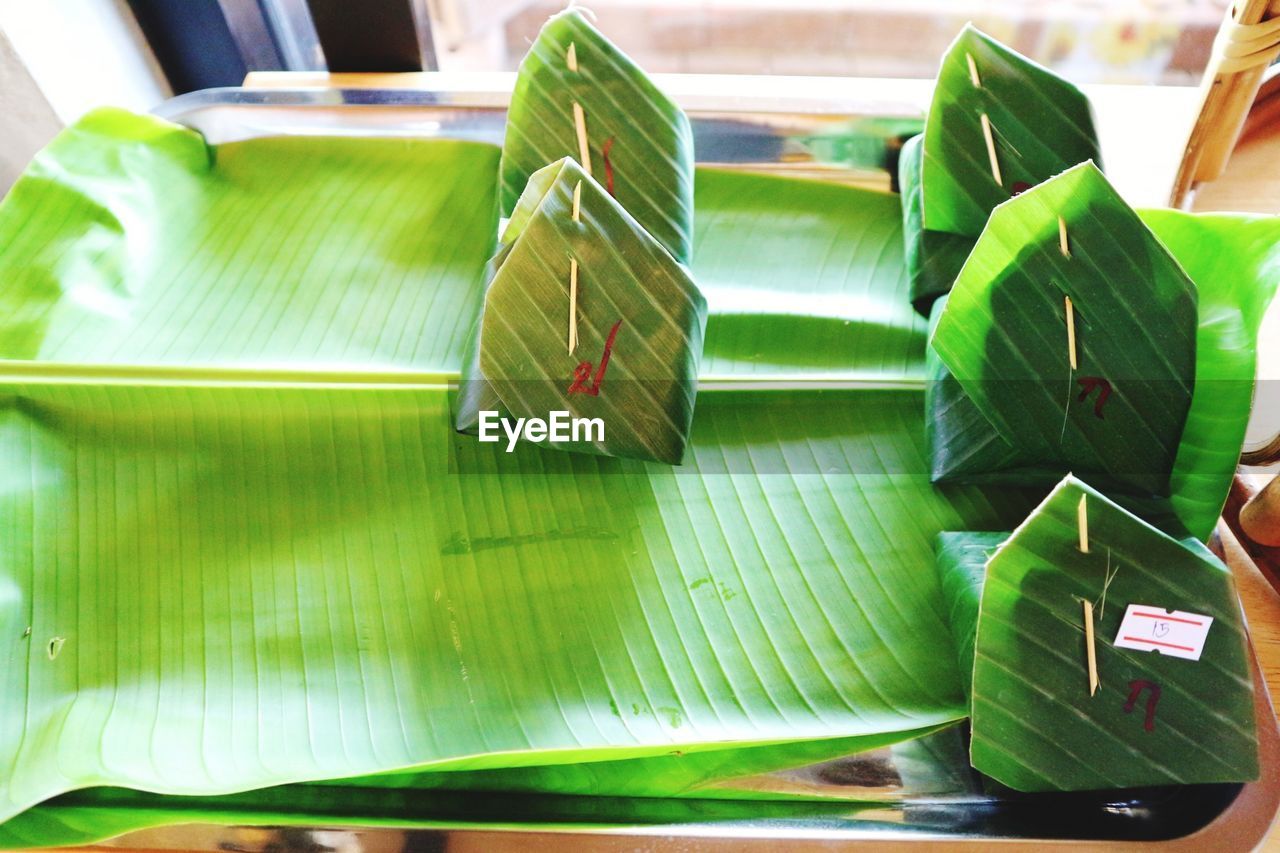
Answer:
(998, 124)
(576, 89)
(1072, 331)
(1156, 718)
(630, 378)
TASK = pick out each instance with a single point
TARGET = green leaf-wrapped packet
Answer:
(589, 316)
(998, 124)
(1036, 723)
(577, 95)
(1073, 331)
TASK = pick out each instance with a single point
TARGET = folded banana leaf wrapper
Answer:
(998, 124)
(1015, 604)
(577, 95)
(590, 310)
(1082, 336)
(243, 546)
(631, 304)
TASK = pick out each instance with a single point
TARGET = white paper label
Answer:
(1169, 632)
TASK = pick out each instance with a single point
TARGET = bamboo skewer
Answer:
(991, 149)
(579, 117)
(1071, 333)
(573, 274)
(1082, 523)
(580, 123)
(1062, 238)
(584, 156)
(973, 71)
(1090, 646)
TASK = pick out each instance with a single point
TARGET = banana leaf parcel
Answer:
(998, 124)
(1018, 610)
(1164, 307)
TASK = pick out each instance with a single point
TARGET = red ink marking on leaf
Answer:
(1019, 187)
(581, 374)
(1158, 643)
(583, 371)
(1164, 618)
(1088, 384)
(608, 166)
(1135, 689)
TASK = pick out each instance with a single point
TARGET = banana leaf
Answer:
(935, 764)
(86, 817)
(133, 243)
(1039, 124)
(804, 282)
(933, 258)
(129, 241)
(625, 304)
(229, 614)
(640, 146)
(1233, 261)
(1028, 332)
(286, 566)
(1035, 725)
(232, 408)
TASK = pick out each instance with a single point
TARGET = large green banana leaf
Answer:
(639, 143)
(234, 608)
(794, 499)
(130, 241)
(268, 585)
(1035, 724)
(133, 243)
(804, 281)
(89, 816)
(932, 765)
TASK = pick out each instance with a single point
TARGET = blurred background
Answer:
(1089, 41)
(60, 58)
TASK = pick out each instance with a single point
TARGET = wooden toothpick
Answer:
(973, 71)
(573, 274)
(579, 117)
(573, 305)
(991, 149)
(1071, 333)
(580, 124)
(1090, 647)
(1082, 522)
(1062, 238)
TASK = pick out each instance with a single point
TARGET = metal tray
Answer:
(825, 133)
